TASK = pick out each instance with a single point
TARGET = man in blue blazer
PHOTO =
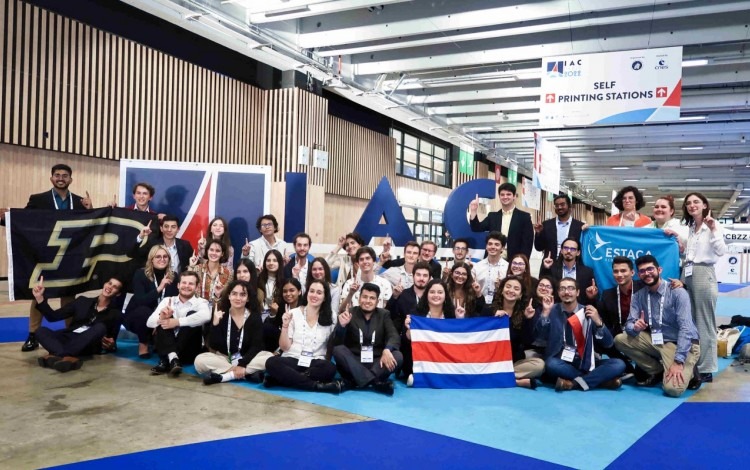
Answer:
(571, 330)
(513, 223)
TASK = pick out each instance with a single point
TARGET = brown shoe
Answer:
(48, 361)
(563, 384)
(67, 364)
(613, 384)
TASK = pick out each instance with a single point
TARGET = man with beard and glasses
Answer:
(660, 335)
(550, 234)
(571, 331)
(567, 265)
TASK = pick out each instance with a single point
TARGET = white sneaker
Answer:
(410, 380)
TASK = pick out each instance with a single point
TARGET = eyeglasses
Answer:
(569, 248)
(544, 286)
(267, 225)
(567, 288)
(518, 264)
(649, 270)
(564, 204)
(161, 257)
(459, 248)
(459, 274)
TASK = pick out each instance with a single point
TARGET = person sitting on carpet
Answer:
(93, 326)
(510, 301)
(660, 327)
(570, 330)
(366, 344)
(236, 338)
(179, 323)
(305, 332)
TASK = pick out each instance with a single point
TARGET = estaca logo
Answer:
(594, 252)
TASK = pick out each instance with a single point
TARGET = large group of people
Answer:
(278, 315)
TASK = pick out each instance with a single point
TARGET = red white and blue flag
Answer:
(462, 353)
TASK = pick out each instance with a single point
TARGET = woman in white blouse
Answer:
(705, 244)
(305, 333)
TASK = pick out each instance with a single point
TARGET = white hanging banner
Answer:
(611, 87)
(532, 195)
(546, 165)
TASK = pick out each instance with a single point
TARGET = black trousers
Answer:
(407, 367)
(135, 322)
(286, 371)
(271, 335)
(351, 368)
(67, 343)
(186, 344)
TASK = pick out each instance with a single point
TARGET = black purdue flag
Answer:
(75, 251)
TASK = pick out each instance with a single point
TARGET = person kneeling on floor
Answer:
(178, 321)
(236, 338)
(660, 327)
(366, 344)
(570, 330)
(94, 321)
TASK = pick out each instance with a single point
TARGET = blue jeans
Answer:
(606, 369)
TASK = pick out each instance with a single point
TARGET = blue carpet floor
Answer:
(369, 444)
(17, 328)
(725, 287)
(695, 435)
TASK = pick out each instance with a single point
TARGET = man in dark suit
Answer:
(59, 198)
(300, 262)
(366, 344)
(567, 265)
(513, 223)
(550, 234)
(180, 250)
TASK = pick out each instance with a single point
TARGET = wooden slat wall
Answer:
(358, 159)
(68, 87)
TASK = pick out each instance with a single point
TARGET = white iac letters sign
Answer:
(611, 87)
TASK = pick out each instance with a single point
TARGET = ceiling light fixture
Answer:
(620, 167)
(692, 148)
(631, 181)
(692, 180)
(692, 118)
(694, 62)
(604, 150)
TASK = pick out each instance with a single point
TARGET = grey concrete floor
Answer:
(114, 406)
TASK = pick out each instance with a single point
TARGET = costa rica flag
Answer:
(462, 353)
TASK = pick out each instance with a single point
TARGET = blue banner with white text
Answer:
(600, 245)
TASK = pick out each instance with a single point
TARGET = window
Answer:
(421, 159)
(425, 224)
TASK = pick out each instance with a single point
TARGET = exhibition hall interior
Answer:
(393, 233)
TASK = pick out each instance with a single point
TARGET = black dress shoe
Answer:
(386, 388)
(212, 378)
(161, 368)
(695, 382)
(328, 387)
(30, 344)
(256, 377)
(48, 361)
(651, 380)
(67, 363)
(175, 368)
(707, 378)
(269, 381)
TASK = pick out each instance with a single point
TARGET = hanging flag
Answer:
(466, 160)
(462, 353)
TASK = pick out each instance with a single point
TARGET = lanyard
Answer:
(242, 332)
(54, 200)
(156, 284)
(361, 338)
(661, 309)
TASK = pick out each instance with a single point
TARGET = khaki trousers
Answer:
(648, 357)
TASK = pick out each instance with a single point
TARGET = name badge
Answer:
(688, 270)
(235, 359)
(568, 354)
(657, 337)
(367, 354)
(81, 329)
(305, 359)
